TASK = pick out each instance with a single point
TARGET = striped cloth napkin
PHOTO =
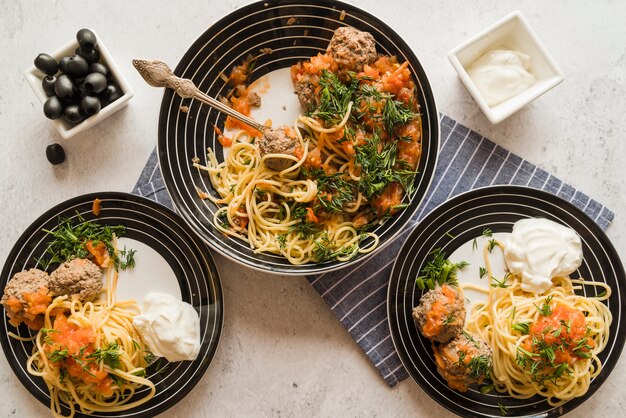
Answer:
(358, 295)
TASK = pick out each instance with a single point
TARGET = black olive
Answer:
(48, 85)
(98, 67)
(53, 108)
(86, 39)
(47, 64)
(55, 154)
(111, 93)
(95, 83)
(90, 105)
(72, 114)
(63, 64)
(90, 56)
(77, 66)
(64, 87)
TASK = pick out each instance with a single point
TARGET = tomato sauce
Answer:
(565, 329)
(389, 199)
(99, 253)
(439, 310)
(77, 344)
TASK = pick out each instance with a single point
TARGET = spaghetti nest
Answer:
(269, 209)
(91, 357)
(546, 344)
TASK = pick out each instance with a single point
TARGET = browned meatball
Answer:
(79, 277)
(281, 140)
(464, 360)
(28, 281)
(305, 90)
(31, 282)
(352, 49)
(440, 314)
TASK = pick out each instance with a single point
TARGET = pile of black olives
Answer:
(77, 86)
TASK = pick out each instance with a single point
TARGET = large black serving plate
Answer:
(293, 31)
(460, 220)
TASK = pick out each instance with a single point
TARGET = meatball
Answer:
(352, 49)
(28, 281)
(440, 314)
(305, 90)
(79, 277)
(31, 282)
(278, 141)
(464, 360)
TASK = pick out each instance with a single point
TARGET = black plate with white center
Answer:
(293, 31)
(459, 221)
(185, 267)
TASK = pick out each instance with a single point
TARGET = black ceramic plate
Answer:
(294, 31)
(460, 220)
(164, 241)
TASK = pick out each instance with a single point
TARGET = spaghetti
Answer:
(546, 344)
(351, 160)
(92, 360)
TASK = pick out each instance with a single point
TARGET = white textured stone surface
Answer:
(283, 353)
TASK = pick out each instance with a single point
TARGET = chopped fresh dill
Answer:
(69, 242)
(57, 355)
(109, 356)
(439, 270)
(378, 163)
(545, 309)
(335, 97)
(522, 327)
(482, 271)
(500, 283)
(480, 365)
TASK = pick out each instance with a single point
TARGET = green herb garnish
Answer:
(69, 242)
(110, 355)
(439, 270)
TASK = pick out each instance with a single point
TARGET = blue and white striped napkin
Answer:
(358, 295)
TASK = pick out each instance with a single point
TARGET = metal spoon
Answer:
(158, 74)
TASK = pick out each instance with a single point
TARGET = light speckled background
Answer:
(283, 353)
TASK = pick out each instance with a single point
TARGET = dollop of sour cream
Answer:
(169, 326)
(501, 74)
(539, 249)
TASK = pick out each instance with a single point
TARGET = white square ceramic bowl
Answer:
(512, 32)
(66, 129)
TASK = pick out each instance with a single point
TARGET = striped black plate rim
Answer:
(458, 221)
(294, 31)
(164, 231)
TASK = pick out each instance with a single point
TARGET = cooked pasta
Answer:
(263, 207)
(309, 192)
(546, 344)
(90, 355)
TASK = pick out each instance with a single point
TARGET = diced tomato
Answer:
(359, 220)
(390, 197)
(224, 140)
(37, 302)
(99, 252)
(95, 207)
(310, 216)
(314, 159)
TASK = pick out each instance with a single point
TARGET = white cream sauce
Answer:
(501, 74)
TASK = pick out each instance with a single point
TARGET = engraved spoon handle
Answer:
(158, 74)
